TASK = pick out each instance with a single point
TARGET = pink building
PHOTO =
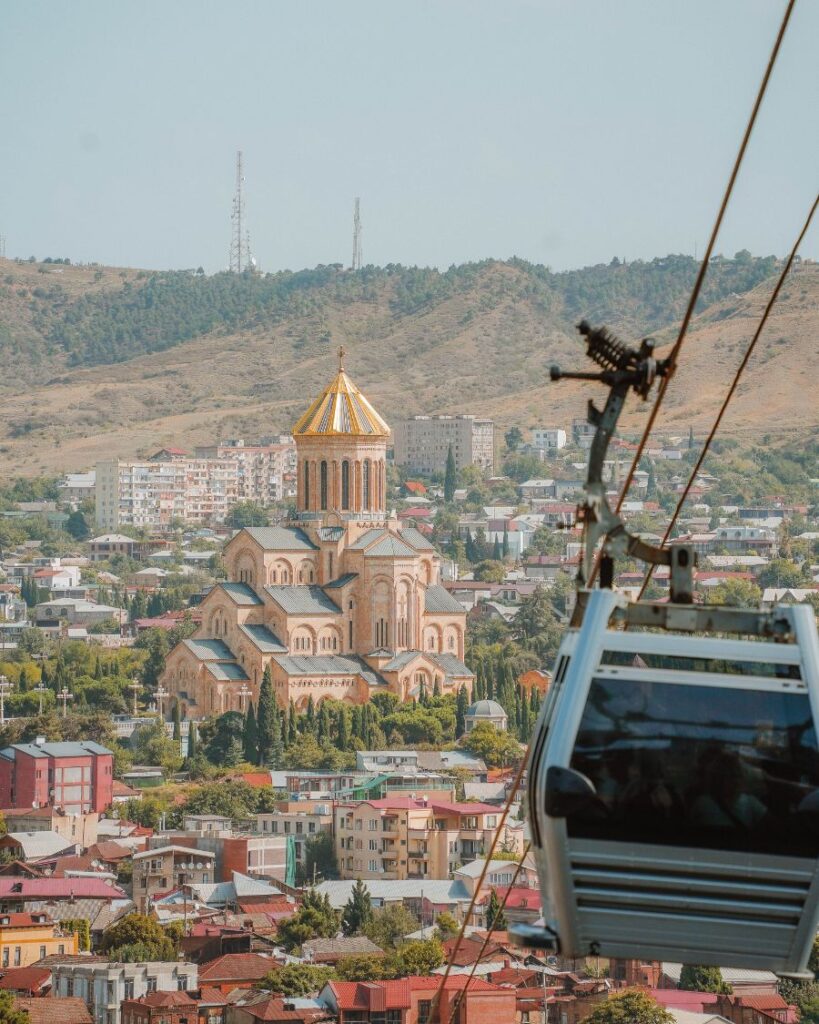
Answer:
(77, 777)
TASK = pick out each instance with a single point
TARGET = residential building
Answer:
(104, 985)
(154, 494)
(19, 893)
(75, 776)
(399, 837)
(343, 602)
(758, 540)
(75, 488)
(422, 443)
(548, 439)
(109, 544)
(301, 825)
(169, 867)
(162, 1008)
(410, 1001)
(263, 1008)
(583, 432)
(236, 970)
(73, 611)
(265, 473)
(26, 938)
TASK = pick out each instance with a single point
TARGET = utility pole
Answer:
(40, 690)
(135, 687)
(356, 264)
(240, 256)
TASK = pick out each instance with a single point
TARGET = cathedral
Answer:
(343, 601)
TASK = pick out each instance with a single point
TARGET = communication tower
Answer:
(2, 246)
(241, 257)
(356, 265)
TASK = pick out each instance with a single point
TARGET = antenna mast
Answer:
(240, 256)
(356, 265)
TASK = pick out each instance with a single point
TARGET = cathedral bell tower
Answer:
(341, 447)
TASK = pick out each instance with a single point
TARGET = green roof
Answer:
(416, 539)
(367, 538)
(226, 670)
(438, 599)
(303, 600)
(241, 593)
(264, 639)
(341, 581)
(328, 665)
(390, 547)
(280, 538)
(209, 650)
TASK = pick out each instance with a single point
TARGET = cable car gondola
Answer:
(674, 769)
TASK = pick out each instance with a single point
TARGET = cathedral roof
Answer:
(280, 538)
(302, 600)
(438, 599)
(328, 665)
(241, 593)
(263, 639)
(341, 409)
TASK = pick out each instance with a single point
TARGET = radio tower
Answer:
(240, 255)
(357, 236)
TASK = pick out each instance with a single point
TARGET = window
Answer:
(299, 828)
(150, 984)
(287, 828)
(129, 988)
(372, 824)
(311, 826)
(424, 1010)
(42, 952)
(323, 483)
(306, 485)
(5, 956)
(373, 865)
(365, 486)
(373, 844)
(345, 485)
(691, 765)
(182, 983)
(61, 948)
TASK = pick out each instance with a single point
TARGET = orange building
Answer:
(342, 602)
(26, 938)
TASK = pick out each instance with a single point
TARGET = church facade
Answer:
(341, 602)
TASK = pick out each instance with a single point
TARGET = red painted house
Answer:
(77, 777)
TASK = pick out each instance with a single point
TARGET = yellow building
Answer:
(26, 938)
(401, 837)
(343, 601)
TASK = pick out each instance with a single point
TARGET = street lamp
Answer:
(135, 687)
(39, 689)
(243, 693)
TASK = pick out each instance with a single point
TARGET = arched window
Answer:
(345, 485)
(306, 484)
(365, 486)
(323, 474)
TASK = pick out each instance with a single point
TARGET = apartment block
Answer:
(26, 938)
(265, 473)
(169, 867)
(548, 439)
(399, 837)
(78, 777)
(422, 443)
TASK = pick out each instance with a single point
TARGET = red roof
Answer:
(237, 967)
(469, 951)
(519, 898)
(406, 803)
(165, 999)
(395, 995)
(23, 920)
(272, 1008)
(415, 487)
(465, 808)
(766, 1001)
(58, 888)
(256, 779)
(26, 979)
(679, 999)
(65, 1010)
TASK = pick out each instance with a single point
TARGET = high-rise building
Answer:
(422, 443)
(266, 472)
(78, 777)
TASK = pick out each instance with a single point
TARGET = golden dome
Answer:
(341, 409)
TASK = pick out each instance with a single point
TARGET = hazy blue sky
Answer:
(563, 132)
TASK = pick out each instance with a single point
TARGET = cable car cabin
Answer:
(674, 789)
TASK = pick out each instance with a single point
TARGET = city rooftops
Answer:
(80, 748)
(188, 851)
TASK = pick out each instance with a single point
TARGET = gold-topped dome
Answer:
(341, 409)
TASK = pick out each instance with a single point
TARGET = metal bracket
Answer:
(624, 369)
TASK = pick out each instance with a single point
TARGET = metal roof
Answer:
(240, 593)
(438, 600)
(263, 639)
(451, 665)
(390, 546)
(280, 538)
(341, 409)
(209, 650)
(303, 600)
(172, 848)
(401, 661)
(341, 581)
(416, 539)
(226, 670)
(79, 749)
(328, 665)
(36, 845)
(367, 538)
(435, 890)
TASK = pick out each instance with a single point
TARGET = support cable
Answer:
(695, 293)
(731, 390)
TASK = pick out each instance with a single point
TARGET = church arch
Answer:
(433, 639)
(303, 640)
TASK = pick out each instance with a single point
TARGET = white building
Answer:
(548, 439)
(422, 443)
(75, 488)
(266, 473)
(103, 985)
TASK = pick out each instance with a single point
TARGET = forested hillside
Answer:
(98, 361)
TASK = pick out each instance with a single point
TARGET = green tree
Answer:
(497, 748)
(447, 926)
(136, 938)
(298, 980)
(389, 925)
(358, 911)
(177, 722)
(513, 438)
(251, 736)
(247, 513)
(193, 738)
(629, 1007)
(450, 477)
(495, 917)
(362, 967)
(490, 570)
(416, 958)
(314, 919)
(153, 746)
(82, 927)
(9, 1013)
(320, 857)
(736, 594)
(77, 525)
(695, 978)
(155, 642)
(269, 724)
(461, 707)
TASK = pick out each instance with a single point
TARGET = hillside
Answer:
(97, 362)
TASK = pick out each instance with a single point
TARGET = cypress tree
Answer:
(450, 477)
(310, 715)
(323, 722)
(436, 689)
(358, 911)
(177, 722)
(495, 917)
(505, 548)
(98, 668)
(192, 741)
(496, 551)
(343, 736)
(250, 736)
(292, 734)
(461, 705)
(267, 724)
(479, 692)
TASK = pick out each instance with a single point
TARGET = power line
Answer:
(695, 293)
(732, 389)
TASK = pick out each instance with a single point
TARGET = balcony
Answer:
(389, 854)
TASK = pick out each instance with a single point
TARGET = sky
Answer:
(565, 133)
